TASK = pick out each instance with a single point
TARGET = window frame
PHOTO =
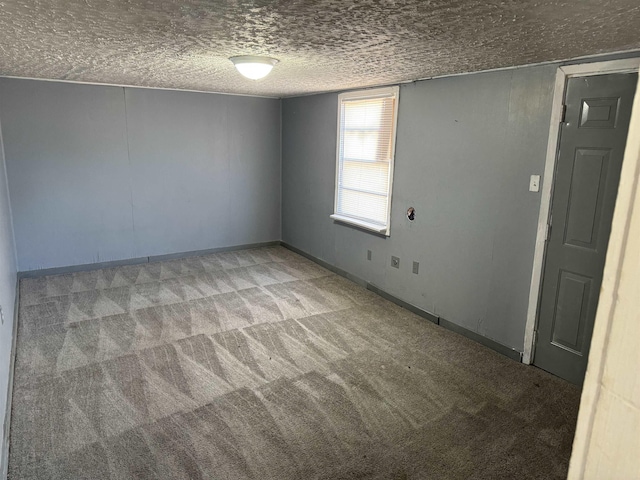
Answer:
(362, 95)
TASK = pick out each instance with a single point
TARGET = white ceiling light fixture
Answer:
(254, 67)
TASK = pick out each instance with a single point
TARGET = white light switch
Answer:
(534, 183)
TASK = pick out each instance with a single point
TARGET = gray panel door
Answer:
(592, 142)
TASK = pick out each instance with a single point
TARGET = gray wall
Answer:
(466, 147)
(7, 293)
(108, 173)
(105, 173)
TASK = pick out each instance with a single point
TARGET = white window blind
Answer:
(366, 144)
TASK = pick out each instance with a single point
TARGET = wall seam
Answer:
(12, 366)
(6, 180)
(281, 170)
(126, 133)
(4, 453)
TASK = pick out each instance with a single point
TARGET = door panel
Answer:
(590, 153)
(599, 112)
(571, 309)
(588, 182)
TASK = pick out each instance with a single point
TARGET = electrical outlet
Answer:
(416, 266)
(368, 254)
(395, 262)
(534, 183)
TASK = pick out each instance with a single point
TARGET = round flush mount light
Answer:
(254, 67)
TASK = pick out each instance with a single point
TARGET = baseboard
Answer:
(12, 363)
(328, 266)
(209, 251)
(138, 261)
(412, 308)
(44, 272)
(487, 342)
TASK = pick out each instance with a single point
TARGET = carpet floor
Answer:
(260, 364)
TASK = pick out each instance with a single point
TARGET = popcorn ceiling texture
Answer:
(322, 45)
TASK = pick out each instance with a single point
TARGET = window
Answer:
(364, 169)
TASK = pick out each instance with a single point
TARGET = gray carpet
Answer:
(259, 364)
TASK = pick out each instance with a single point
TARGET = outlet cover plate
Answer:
(416, 267)
(368, 254)
(395, 262)
(534, 183)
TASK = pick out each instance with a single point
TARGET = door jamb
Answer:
(562, 75)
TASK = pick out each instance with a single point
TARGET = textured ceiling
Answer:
(322, 45)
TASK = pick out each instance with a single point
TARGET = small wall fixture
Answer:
(254, 67)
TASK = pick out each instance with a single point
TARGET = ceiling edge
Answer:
(118, 85)
(586, 59)
(617, 55)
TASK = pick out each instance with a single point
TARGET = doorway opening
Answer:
(584, 155)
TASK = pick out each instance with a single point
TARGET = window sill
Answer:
(372, 227)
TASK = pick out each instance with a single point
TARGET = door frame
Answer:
(630, 65)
